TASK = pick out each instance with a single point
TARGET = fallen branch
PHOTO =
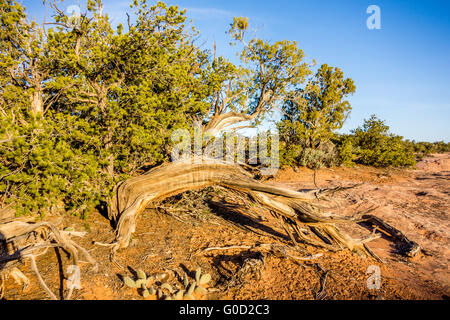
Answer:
(407, 247)
(321, 294)
(27, 239)
(295, 210)
(38, 275)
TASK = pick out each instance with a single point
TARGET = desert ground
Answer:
(224, 238)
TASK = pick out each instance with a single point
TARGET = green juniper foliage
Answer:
(427, 148)
(83, 106)
(373, 145)
(311, 117)
(314, 113)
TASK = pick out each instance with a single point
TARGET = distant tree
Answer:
(312, 114)
(267, 75)
(26, 59)
(373, 145)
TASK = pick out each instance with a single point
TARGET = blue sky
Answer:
(401, 72)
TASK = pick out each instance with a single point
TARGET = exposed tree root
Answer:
(295, 210)
(21, 240)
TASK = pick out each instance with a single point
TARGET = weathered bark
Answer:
(47, 235)
(406, 247)
(37, 102)
(294, 209)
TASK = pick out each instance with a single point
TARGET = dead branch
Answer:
(41, 281)
(295, 210)
(30, 240)
(407, 247)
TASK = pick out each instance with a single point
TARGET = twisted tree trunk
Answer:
(294, 209)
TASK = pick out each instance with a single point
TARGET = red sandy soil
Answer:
(414, 201)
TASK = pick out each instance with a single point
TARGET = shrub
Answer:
(441, 147)
(427, 148)
(314, 158)
(325, 156)
(347, 151)
(290, 155)
(80, 111)
(373, 145)
(42, 172)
